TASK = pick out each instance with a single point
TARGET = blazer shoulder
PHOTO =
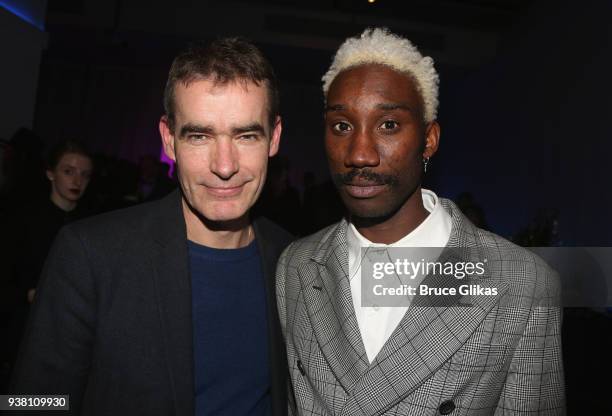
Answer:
(304, 248)
(112, 229)
(115, 222)
(525, 271)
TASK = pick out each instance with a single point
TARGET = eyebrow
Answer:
(253, 127)
(382, 106)
(397, 106)
(335, 107)
(196, 128)
(89, 171)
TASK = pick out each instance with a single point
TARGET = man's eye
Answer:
(248, 137)
(68, 171)
(196, 137)
(341, 127)
(389, 125)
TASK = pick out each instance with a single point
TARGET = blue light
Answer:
(22, 13)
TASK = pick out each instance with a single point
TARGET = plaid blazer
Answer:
(501, 356)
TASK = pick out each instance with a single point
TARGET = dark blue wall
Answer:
(532, 129)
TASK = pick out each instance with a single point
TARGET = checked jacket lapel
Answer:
(426, 337)
(327, 295)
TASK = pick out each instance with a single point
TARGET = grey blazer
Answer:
(501, 356)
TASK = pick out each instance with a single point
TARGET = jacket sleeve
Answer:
(534, 383)
(281, 276)
(281, 273)
(56, 350)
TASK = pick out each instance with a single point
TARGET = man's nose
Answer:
(224, 161)
(362, 151)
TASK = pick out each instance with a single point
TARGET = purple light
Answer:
(165, 159)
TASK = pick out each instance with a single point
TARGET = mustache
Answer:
(367, 175)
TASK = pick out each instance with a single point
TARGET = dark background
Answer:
(524, 87)
(524, 99)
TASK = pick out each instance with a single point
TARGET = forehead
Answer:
(213, 102)
(374, 82)
(75, 160)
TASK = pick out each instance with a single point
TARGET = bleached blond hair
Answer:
(379, 46)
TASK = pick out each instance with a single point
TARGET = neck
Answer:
(217, 234)
(392, 228)
(62, 203)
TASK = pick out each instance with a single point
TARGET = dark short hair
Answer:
(222, 61)
(64, 147)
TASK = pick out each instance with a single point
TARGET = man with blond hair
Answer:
(443, 346)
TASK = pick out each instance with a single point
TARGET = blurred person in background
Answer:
(153, 182)
(30, 221)
(69, 170)
(279, 200)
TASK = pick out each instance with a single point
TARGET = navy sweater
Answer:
(231, 368)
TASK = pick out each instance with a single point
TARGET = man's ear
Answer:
(276, 135)
(167, 136)
(50, 175)
(432, 139)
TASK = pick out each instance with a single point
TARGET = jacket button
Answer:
(300, 367)
(446, 407)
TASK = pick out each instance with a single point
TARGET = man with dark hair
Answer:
(225, 61)
(367, 333)
(168, 307)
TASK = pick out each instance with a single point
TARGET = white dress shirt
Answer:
(376, 324)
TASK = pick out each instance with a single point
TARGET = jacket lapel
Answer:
(270, 247)
(327, 295)
(428, 335)
(170, 260)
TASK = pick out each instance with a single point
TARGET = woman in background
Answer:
(69, 170)
(29, 223)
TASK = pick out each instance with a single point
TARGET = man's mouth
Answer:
(224, 191)
(364, 189)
